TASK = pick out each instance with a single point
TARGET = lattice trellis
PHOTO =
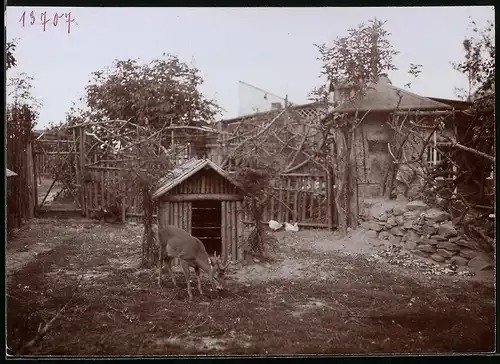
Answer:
(278, 132)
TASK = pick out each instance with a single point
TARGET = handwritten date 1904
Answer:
(44, 19)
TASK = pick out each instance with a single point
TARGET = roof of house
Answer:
(186, 170)
(457, 104)
(262, 113)
(383, 96)
(10, 173)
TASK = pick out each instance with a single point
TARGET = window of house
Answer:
(435, 157)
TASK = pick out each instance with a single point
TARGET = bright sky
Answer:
(271, 48)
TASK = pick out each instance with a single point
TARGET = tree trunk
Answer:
(148, 250)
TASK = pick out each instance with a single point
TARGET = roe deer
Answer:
(177, 243)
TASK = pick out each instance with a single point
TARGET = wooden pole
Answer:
(82, 171)
(35, 178)
(329, 200)
(30, 179)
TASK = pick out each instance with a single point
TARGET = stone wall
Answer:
(426, 232)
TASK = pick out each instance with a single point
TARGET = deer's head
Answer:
(218, 268)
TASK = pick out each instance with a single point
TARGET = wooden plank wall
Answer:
(232, 229)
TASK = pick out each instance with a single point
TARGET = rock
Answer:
(437, 258)
(435, 215)
(470, 254)
(411, 215)
(381, 217)
(448, 246)
(410, 245)
(447, 230)
(453, 239)
(460, 261)
(416, 206)
(369, 202)
(398, 210)
(445, 253)
(392, 221)
(396, 240)
(371, 225)
(384, 235)
(429, 241)
(467, 244)
(439, 238)
(396, 231)
(421, 254)
(429, 222)
(412, 236)
(400, 220)
(429, 230)
(371, 234)
(480, 263)
(408, 224)
(379, 210)
(427, 248)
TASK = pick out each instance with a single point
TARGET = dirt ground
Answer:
(319, 294)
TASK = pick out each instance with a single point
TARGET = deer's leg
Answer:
(185, 268)
(197, 272)
(169, 268)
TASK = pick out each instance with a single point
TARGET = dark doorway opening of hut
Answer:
(205, 224)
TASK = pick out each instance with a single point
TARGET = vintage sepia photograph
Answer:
(249, 181)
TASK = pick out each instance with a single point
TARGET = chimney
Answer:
(276, 106)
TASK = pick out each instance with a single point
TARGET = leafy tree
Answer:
(355, 60)
(133, 109)
(10, 60)
(476, 139)
(358, 58)
(478, 65)
(164, 91)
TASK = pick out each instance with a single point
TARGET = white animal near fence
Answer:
(177, 243)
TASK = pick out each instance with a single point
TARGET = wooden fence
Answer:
(302, 198)
(99, 191)
(101, 187)
(21, 189)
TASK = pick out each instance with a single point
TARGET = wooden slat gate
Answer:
(56, 158)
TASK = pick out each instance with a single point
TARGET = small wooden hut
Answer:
(201, 198)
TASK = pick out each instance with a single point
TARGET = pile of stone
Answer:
(424, 231)
(397, 256)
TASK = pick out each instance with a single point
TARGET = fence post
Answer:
(29, 179)
(35, 177)
(82, 170)
(330, 199)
